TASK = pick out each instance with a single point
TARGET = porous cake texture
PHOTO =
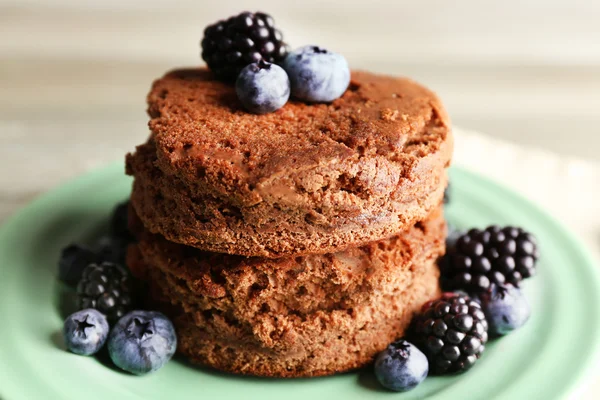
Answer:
(291, 317)
(292, 244)
(307, 179)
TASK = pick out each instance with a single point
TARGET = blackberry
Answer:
(451, 332)
(494, 255)
(228, 46)
(107, 288)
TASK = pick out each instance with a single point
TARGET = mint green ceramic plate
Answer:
(547, 359)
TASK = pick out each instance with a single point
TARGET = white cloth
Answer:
(567, 188)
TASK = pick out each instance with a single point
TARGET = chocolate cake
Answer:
(297, 316)
(291, 244)
(309, 178)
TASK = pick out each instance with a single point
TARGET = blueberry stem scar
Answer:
(140, 330)
(82, 325)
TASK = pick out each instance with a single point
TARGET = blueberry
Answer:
(73, 259)
(317, 75)
(85, 332)
(401, 367)
(142, 342)
(263, 87)
(506, 308)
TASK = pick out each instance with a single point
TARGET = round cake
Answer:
(298, 316)
(307, 179)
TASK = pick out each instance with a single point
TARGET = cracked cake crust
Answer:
(305, 179)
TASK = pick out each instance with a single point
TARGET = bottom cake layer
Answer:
(292, 317)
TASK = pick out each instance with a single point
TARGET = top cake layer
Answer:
(305, 179)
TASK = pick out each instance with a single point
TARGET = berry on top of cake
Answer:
(317, 75)
(263, 87)
(230, 45)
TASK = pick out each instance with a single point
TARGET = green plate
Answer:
(547, 359)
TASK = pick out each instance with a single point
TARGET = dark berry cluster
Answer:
(110, 248)
(249, 49)
(229, 45)
(452, 332)
(494, 255)
(106, 287)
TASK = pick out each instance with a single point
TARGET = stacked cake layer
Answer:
(297, 243)
(296, 316)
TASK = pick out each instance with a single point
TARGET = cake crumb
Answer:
(387, 114)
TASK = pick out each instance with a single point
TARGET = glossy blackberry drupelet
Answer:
(107, 288)
(228, 46)
(494, 255)
(452, 332)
